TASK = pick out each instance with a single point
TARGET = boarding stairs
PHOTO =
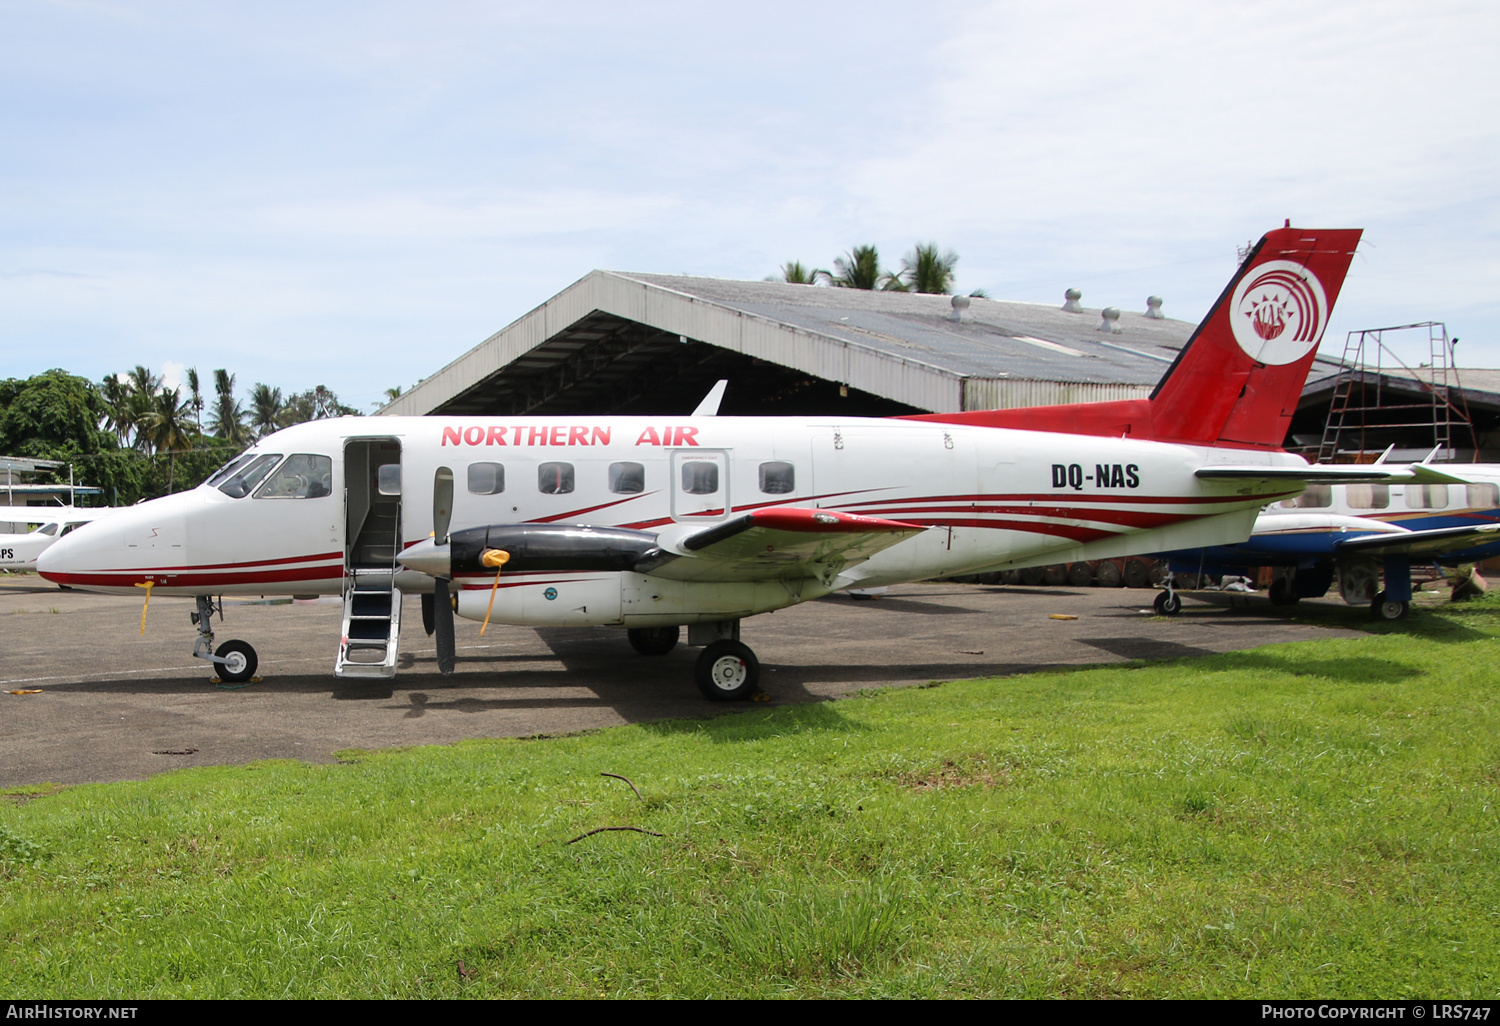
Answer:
(372, 603)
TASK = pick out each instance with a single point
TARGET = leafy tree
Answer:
(229, 416)
(47, 411)
(265, 409)
(166, 429)
(314, 404)
(857, 269)
(927, 269)
(56, 416)
(195, 397)
(794, 272)
(117, 416)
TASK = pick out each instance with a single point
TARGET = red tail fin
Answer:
(1237, 381)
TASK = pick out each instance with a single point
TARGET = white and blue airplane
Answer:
(1360, 532)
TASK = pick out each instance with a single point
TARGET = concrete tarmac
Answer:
(112, 704)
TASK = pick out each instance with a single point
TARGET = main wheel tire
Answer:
(1168, 603)
(1389, 609)
(239, 661)
(653, 641)
(727, 671)
(1281, 593)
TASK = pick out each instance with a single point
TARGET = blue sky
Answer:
(353, 194)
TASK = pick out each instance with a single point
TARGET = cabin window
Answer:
(1484, 496)
(486, 478)
(1317, 496)
(1368, 496)
(778, 478)
(243, 481)
(302, 476)
(70, 528)
(388, 479)
(49, 530)
(554, 478)
(1426, 496)
(627, 478)
(699, 477)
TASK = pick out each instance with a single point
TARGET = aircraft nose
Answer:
(428, 557)
(60, 559)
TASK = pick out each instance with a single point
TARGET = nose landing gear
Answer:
(235, 660)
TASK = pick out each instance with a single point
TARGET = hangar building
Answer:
(627, 343)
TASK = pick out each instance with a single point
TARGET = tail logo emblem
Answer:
(1278, 312)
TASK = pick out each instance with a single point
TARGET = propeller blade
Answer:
(442, 504)
(442, 609)
(429, 621)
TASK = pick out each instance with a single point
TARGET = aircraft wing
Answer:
(1431, 543)
(777, 543)
(1350, 473)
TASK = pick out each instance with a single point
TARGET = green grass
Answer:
(1316, 819)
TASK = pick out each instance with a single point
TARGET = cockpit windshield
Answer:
(220, 475)
(302, 476)
(246, 477)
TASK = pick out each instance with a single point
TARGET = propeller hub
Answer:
(428, 557)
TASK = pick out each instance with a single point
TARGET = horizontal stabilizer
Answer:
(782, 542)
(1429, 544)
(1352, 473)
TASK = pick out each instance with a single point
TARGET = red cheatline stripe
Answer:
(591, 509)
(123, 578)
(1056, 497)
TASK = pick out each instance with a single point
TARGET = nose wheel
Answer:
(235, 661)
(238, 661)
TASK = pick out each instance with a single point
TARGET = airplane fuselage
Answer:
(989, 498)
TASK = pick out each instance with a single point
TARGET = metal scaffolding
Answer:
(1370, 396)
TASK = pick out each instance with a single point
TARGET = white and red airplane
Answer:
(20, 550)
(654, 523)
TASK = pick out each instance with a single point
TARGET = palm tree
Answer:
(196, 390)
(265, 407)
(141, 387)
(117, 413)
(794, 272)
(858, 269)
(229, 415)
(164, 427)
(927, 269)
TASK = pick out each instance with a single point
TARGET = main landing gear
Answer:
(1168, 603)
(726, 669)
(653, 641)
(1384, 608)
(235, 660)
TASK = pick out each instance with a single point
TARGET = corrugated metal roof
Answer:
(605, 333)
(996, 342)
